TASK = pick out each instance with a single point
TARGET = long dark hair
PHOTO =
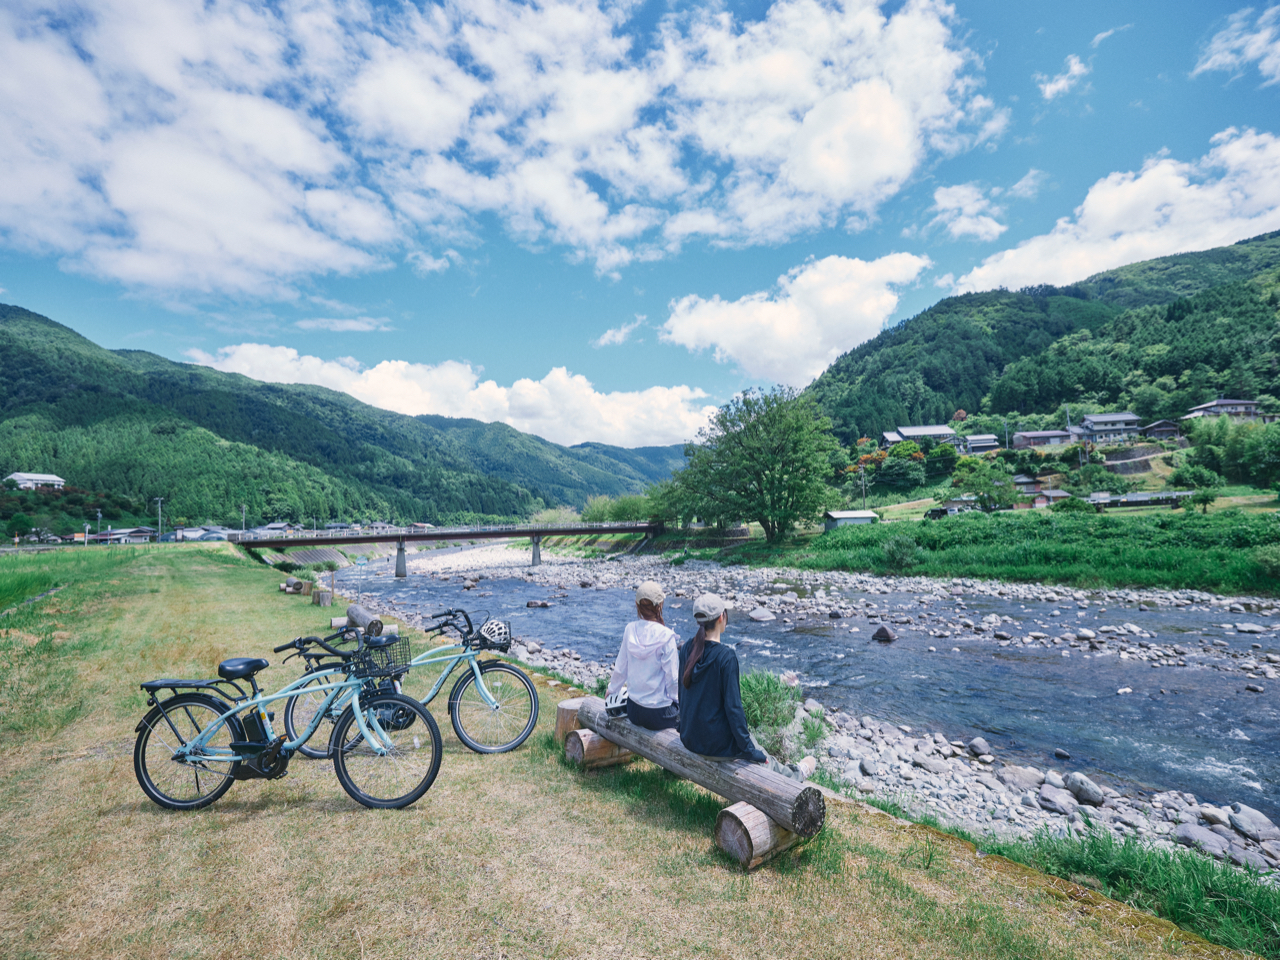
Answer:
(696, 646)
(650, 611)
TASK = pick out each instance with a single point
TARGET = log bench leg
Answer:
(750, 837)
(567, 718)
(591, 751)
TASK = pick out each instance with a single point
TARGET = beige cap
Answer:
(651, 591)
(707, 608)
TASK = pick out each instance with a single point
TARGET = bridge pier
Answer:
(401, 570)
(537, 552)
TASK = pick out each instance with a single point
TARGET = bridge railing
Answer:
(440, 533)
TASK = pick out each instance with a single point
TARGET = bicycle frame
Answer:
(375, 736)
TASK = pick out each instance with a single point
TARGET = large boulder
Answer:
(1214, 814)
(1252, 823)
(761, 615)
(1084, 789)
(979, 747)
(1056, 800)
(1190, 835)
(1243, 857)
(1021, 778)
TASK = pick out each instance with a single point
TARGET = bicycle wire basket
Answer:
(388, 660)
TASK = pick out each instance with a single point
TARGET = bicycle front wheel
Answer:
(500, 728)
(406, 770)
(300, 710)
(191, 783)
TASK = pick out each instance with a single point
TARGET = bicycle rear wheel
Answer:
(193, 783)
(300, 710)
(409, 767)
(487, 729)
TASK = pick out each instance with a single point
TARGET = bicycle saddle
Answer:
(383, 641)
(237, 668)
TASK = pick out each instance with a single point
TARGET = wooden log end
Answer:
(567, 718)
(749, 836)
(590, 751)
(809, 811)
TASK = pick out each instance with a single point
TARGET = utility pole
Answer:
(863, 474)
(86, 533)
(1006, 434)
(242, 510)
(99, 526)
(159, 517)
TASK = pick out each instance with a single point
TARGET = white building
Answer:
(842, 518)
(29, 481)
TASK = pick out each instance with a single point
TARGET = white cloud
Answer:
(560, 407)
(966, 211)
(615, 336)
(345, 324)
(235, 147)
(1029, 185)
(424, 264)
(1231, 193)
(1108, 33)
(1052, 87)
(791, 334)
(1239, 44)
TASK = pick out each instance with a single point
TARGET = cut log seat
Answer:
(750, 837)
(567, 718)
(366, 620)
(793, 805)
(589, 750)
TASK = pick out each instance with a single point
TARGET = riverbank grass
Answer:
(513, 855)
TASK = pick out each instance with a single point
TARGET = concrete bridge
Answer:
(402, 535)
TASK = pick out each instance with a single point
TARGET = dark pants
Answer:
(663, 718)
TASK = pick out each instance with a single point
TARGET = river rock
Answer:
(1021, 778)
(978, 746)
(1085, 634)
(533, 646)
(1190, 835)
(1059, 752)
(1084, 789)
(1054, 779)
(1242, 856)
(932, 764)
(812, 706)
(1272, 849)
(761, 615)
(1252, 823)
(1250, 628)
(1214, 815)
(1056, 800)
(884, 635)
(870, 768)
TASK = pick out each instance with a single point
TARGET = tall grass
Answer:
(1223, 904)
(767, 701)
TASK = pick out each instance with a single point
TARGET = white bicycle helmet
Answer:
(497, 633)
(616, 704)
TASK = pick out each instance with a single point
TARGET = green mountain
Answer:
(141, 426)
(1102, 341)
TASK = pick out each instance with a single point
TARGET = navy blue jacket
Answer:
(711, 719)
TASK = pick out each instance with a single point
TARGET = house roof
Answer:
(1220, 402)
(35, 478)
(931, 430)
(1160, 423)
(851, 515)
(982, 438)
(1023, 478)
(1042, 433)
(892, 437)
(1110, 417)
(1055, 494)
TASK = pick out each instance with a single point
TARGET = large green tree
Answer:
(764, 457)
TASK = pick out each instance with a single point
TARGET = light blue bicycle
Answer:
(193, 745)
(493, 705)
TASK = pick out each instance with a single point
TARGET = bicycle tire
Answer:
(472, 718)
(299, 710)
(155, 768)
(399, 778)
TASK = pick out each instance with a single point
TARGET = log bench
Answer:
(769, 813)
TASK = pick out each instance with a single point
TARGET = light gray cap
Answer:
(650, 590)
(707, 608)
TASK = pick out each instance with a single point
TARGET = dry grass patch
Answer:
(514, 855)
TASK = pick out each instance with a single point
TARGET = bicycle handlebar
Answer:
(452, 615)
(302, 643)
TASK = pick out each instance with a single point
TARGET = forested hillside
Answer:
(139, 425)
(1104, 341)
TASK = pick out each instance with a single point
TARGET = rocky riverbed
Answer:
(957, 778)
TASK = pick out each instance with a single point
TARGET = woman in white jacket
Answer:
(648, 663)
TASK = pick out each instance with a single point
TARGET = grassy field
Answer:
(514, 855)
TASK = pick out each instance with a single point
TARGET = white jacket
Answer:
(647, 663)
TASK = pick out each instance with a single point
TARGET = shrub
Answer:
(901, 552)
(767, 701)
(1195, 478)
(1268, 558)
(556, 515)
(813, 731)
(598, 509)
(1073, 505)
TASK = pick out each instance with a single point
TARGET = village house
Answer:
(843, 518)
(1107, 428)
(29, 481)
(1026, 484)
(981, 443)
(1161, 430)
(1040, 438)
(936, 432)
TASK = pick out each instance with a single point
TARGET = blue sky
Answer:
(594, 221)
